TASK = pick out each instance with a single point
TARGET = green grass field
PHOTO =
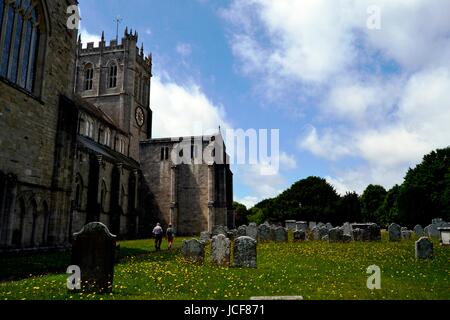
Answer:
(314, 270)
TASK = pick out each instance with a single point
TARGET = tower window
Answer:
(164, 153)
(88, 77)
(19, 41)
(112, 79)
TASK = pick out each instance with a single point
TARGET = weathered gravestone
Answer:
(335, 235)
(232, 234)
(264, 233)
(299, 235)
(329, 226)
(220, 250)
(301, 225)
(347, 227)
(252, 231)
(323, 231)
(205, 236)
(424, 248)
(311, 225)
(193, 250)
(291, 225)
(219, 230)
(244, 252)
(242, 231)
(418, 230)
(432, 231)
(281, 234)
(407, 234)
(394, 232)
(357, 234)
(93, 250)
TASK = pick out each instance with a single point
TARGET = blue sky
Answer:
(355, 105)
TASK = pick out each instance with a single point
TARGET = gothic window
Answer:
(112, 77)
(88, 77)
(162, 154)
(89, 128)
(107, 140)
(19, 41)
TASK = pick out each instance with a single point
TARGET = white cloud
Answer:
(287, 161)
(248, 201)
(184, 49)
(380, 96)
(183, 110)
(87, 37)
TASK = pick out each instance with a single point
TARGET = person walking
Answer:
(170, 236)
(158, 233)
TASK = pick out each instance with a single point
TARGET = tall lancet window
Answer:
(88, 77)
(112, 79)
(21, 25)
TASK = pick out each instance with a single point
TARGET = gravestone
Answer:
(220, 250)
(93, 250)
(232, 234)
(394, 232)
(244, 253)
(347, 238)
(315, 233)
(301, 225)
(311, 225)
(205, 236)
(374, 231)
(281, 234)
(347, 227)
(335, 235)
(329, 226)
(418, 230)
(357, 234)
(432, 231)
(424, 248)
(291, 225)
(242, 231)
(219, 230)
(323, 231)
(445, 236)
(320, 225)
(299, 235)
(193, 250)
(252, 231)
(407, 234)
(264, 233)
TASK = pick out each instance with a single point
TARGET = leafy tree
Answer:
(241, 214)
(388, 212)
(425, 193)
(349, 208)
(371, 201)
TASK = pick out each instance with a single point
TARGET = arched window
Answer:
(112, 76)
(89, 128)
(88, 77)
(19, 40)
(107, 140)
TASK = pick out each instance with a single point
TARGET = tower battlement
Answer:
(128, 41)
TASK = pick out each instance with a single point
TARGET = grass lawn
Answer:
(314, 270)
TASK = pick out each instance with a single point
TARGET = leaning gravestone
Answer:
(93, 250)
(281, 234)
(299, 235)
(264, 233)
(394, 232)
(252, 231)
(193, 250)
(220, 250)
(244, 252)
(418, 230)
(242, 231)
(424, 248)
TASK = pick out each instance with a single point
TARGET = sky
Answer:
(358, 89)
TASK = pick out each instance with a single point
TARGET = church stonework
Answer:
(76, 141)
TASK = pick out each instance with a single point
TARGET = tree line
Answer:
(423, 195)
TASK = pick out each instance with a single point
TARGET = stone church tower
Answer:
(116, 78)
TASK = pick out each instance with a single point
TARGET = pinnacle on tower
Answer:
(126, 31)
(142, 49)
(79, 38)
(103, 36)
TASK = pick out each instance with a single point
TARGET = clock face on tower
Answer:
(140, 117)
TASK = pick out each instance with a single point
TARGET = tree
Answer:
(371, 201)
(241, 214)
(425, 193)
(349, 208)
(388, 212)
